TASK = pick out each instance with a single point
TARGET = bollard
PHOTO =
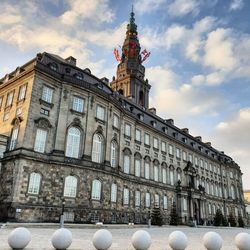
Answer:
(242, 241)
(102, 239)
(141, 240)
(61, 239)
(19, 238)
(212, 241)
(177, 240)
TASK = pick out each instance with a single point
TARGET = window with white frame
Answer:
(163, 146)
(227, 210)
(9, 99)
(147, 200)
(191, 158)
(184, 203)
(179, 175)
(13, 140)
(137, 198)
(96, 190)
(212, 189)
(113, 192)
(126, 164)
(125, 196)
(236, 211)
(208, 188)
(209, 208)
(201, 163)
(231, 174)
(225, 192)
(115, 121)
(47, 94)
(73, 142)
(196, 161)
(70, 186)
(205, 165)
(170, 149)
(178, 153)
(97, 148)
(215, 169)
(184, 155)
(171, 173)
(156, 173)
(164, 175)
(214, 209)
(34, 183)
(165, 202)
(21, 94)
(216, 190)
(211, 167)
(113, 154)
(197, 181)
(137, 167)
(100, 112)
(40, 141)
(127, 130)
(146, 139)
(156, 143)
(157, 200)
(146, 170)
(232, 192)
(78, 104)
(138, 135)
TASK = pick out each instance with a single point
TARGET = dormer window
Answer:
(165, 130)
(184, 139)
(200, 148)
(192, 144)
(153, 123)
(79, 76)
(68, 70)
(175, 134)
(53, 66)
(140, 116)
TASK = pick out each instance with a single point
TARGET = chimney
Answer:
(71, 60)
(170, 121)
(105, 80)
(185, 130)
(208, 144)
(152, 110)
(198, 138)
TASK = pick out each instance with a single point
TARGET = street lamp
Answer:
(62, 214)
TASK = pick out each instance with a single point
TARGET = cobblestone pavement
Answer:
(82, 237)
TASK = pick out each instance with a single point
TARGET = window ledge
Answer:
(20, 101)
(115, 128)
(146, 145)
(100, 121)
(127, 137)
(47, 104)
(138, 142)
(156, 149)
(77, 112)
(7, 108)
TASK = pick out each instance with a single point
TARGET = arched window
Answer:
(126, 164)
(232, 191)
(138, 167)
(97, 148)
(225, 192)
(147, 200)
(157, 200)
(156, 173)
(96, 190)
(171, 173)
(208, 187)
(34, 183)
(212, 189)
(73, 142)
(13, 140)
(164, 175)
(113, 154)
(40, 141)
(137, 198)
(113, 192)
(146, 169)
(70, 186)
(165, 202)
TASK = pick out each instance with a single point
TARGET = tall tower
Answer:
(130, 73)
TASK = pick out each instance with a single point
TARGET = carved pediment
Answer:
(43, 123)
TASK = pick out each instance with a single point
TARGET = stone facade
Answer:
(173, 165)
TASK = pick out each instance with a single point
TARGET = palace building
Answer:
(72, 142)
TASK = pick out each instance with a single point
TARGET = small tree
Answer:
(174, 219)
(225, 222)
(240, 221)
(157, 217)
(231, 220)
(218, 219)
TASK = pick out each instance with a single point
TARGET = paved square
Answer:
(82, 237)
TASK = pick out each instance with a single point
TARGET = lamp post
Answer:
(62, 214)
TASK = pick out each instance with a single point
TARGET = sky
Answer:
(199, 67)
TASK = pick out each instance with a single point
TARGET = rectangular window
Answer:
(13, 140)
(137, 167)
(156, 173)
(147, 139)
(125, 196)
(78, 104)
(40, 140)
(6, 116)
(146, 170)
(9, 99)
(44, 112)
(147, 200)
(126, 164)
(231, 174)
(127, 130)
(138, 135)
(178, 153)
(156, 143)
(215, 169)
(47, 94)
(100, 112)
(184, 204)
(196, 161)
(165, 202)
(163, 146)
(164, 175)
(184, 155)
(170, 149)
(116, 121)
(157, 200)
(205, 165)
(113, 192)
(201, 163)
(22, 91)
(191, 158)
(137, 198)
(18, 111)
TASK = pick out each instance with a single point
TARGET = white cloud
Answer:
(233, 137)
(183, 7)
(147, 6)
(236, 5)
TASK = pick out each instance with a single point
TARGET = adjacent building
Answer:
(72, 141)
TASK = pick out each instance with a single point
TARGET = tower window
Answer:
(141, 98)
